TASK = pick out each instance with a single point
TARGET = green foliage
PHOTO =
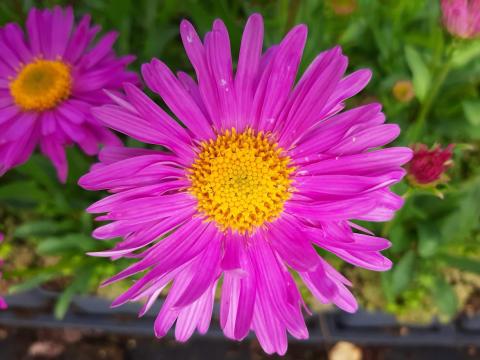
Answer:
(436, 233)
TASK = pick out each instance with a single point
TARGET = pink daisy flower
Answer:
(462, 17)
(49, 80)
(263, 173)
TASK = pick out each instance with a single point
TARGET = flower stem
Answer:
(416, 130)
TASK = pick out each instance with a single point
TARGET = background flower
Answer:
(264, 171)
(462, 17)
(49, 80)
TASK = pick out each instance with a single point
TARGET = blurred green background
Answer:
(436, 235)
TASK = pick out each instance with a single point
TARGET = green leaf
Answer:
(403, 273)
(79, 285)
(60, 245)
(445, 297)
(462, 263)
(40, 169)
(471, 108)
(420, 72)
(466, 52)
(31, 283)
(398, 237)
(459, 224)
(428, 239)
(42, 228)
(22, 191)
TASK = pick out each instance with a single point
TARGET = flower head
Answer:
(428, 166)
(262, 172)
(462, 17)
(50, 78)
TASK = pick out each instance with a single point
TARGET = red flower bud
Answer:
(428, 166)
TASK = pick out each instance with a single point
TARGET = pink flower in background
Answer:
(50, 78)
(462, 17)
(263, 173)
(428, 166)
(3, 304)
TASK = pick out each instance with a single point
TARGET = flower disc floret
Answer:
(241, 180)
(41, 85)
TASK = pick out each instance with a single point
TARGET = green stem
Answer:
(417, 128)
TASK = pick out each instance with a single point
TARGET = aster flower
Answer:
(462, 17)
(50, 78)
(3, 304)
(428, 166)
(263, 173)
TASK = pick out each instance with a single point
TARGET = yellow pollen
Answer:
(241, 180)
(41, 85)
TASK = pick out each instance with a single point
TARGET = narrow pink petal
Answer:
(344, 185)
(14, 35)
(101, 49)
(192, 87)
(311, 96)
(62, 22)
(196, 53)
(56, 153)
(209, 261)
(371, 138)
(287, 239)
(175, 250)
(8, 113)
(79, 40)
(277, 80)
(197, 314)
(331, 131)
(219, 59)
(331, 211)
(247, 68)
(161, 80)
(114, 117)
(371, 163)
(101, 178)
(112, 154)
(151, 112)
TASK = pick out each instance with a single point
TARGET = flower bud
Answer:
(462, 17)
(427, 167)
(403, 91)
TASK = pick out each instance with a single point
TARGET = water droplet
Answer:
(354, 139)
(189, 38)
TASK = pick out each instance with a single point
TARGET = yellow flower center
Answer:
(241, 180)
(41, 85)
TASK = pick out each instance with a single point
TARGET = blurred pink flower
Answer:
(428, 166)
(49, 80)
(264, 171)
(462, 17)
